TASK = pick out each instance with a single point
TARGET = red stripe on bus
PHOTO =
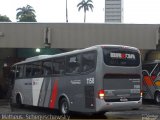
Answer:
(54, 94)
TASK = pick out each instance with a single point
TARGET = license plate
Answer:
(123, 99)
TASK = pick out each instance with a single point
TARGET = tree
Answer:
(4, 18)
(85, 5)
(26, 14)
(66, 11)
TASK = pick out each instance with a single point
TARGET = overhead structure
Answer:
(77, 35)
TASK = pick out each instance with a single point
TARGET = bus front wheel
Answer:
(157, 97)
(64, 106)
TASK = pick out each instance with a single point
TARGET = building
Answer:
(77, 35)
(15, 36)
(114, 11)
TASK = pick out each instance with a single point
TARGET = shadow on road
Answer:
(148, 102)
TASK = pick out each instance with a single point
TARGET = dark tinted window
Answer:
(121, 57)
(37, 69)
(73, 64)
(152, 69)
(156, 70)
(34, 69)
(58, 65)
(28, 70)
(19, 71)
(88, 61)
(148, 67)
(47, 67)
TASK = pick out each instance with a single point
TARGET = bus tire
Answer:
(64, 106)
(157, 97)
(19, 101)
(102, 113)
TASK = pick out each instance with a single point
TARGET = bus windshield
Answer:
(121, 57)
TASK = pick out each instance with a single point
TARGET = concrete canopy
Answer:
(77, 35)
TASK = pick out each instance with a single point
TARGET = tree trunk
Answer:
(84, 16)
(66, 12)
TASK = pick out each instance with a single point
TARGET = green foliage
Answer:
(26, 14)
(4, 18)
(27, 18)
(85, 5)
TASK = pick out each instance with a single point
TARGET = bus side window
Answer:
(73, 64)
(19, 71)
(88, 61)
(156, 70)
(35, 72)
(47, 67)
(148, 67)
(37, 69)
(58, 66)
(28, 70)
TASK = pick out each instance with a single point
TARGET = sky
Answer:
(134, 11)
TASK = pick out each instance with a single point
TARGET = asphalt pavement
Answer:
(148, 111)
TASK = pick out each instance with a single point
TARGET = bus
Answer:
(151, 80)
(91, 80)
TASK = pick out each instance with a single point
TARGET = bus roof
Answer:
(43, 57)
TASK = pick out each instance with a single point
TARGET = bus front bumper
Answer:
(101, 105)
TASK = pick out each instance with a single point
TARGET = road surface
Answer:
(148, 111)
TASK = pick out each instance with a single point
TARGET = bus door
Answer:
(89, 60)
(44, 97)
